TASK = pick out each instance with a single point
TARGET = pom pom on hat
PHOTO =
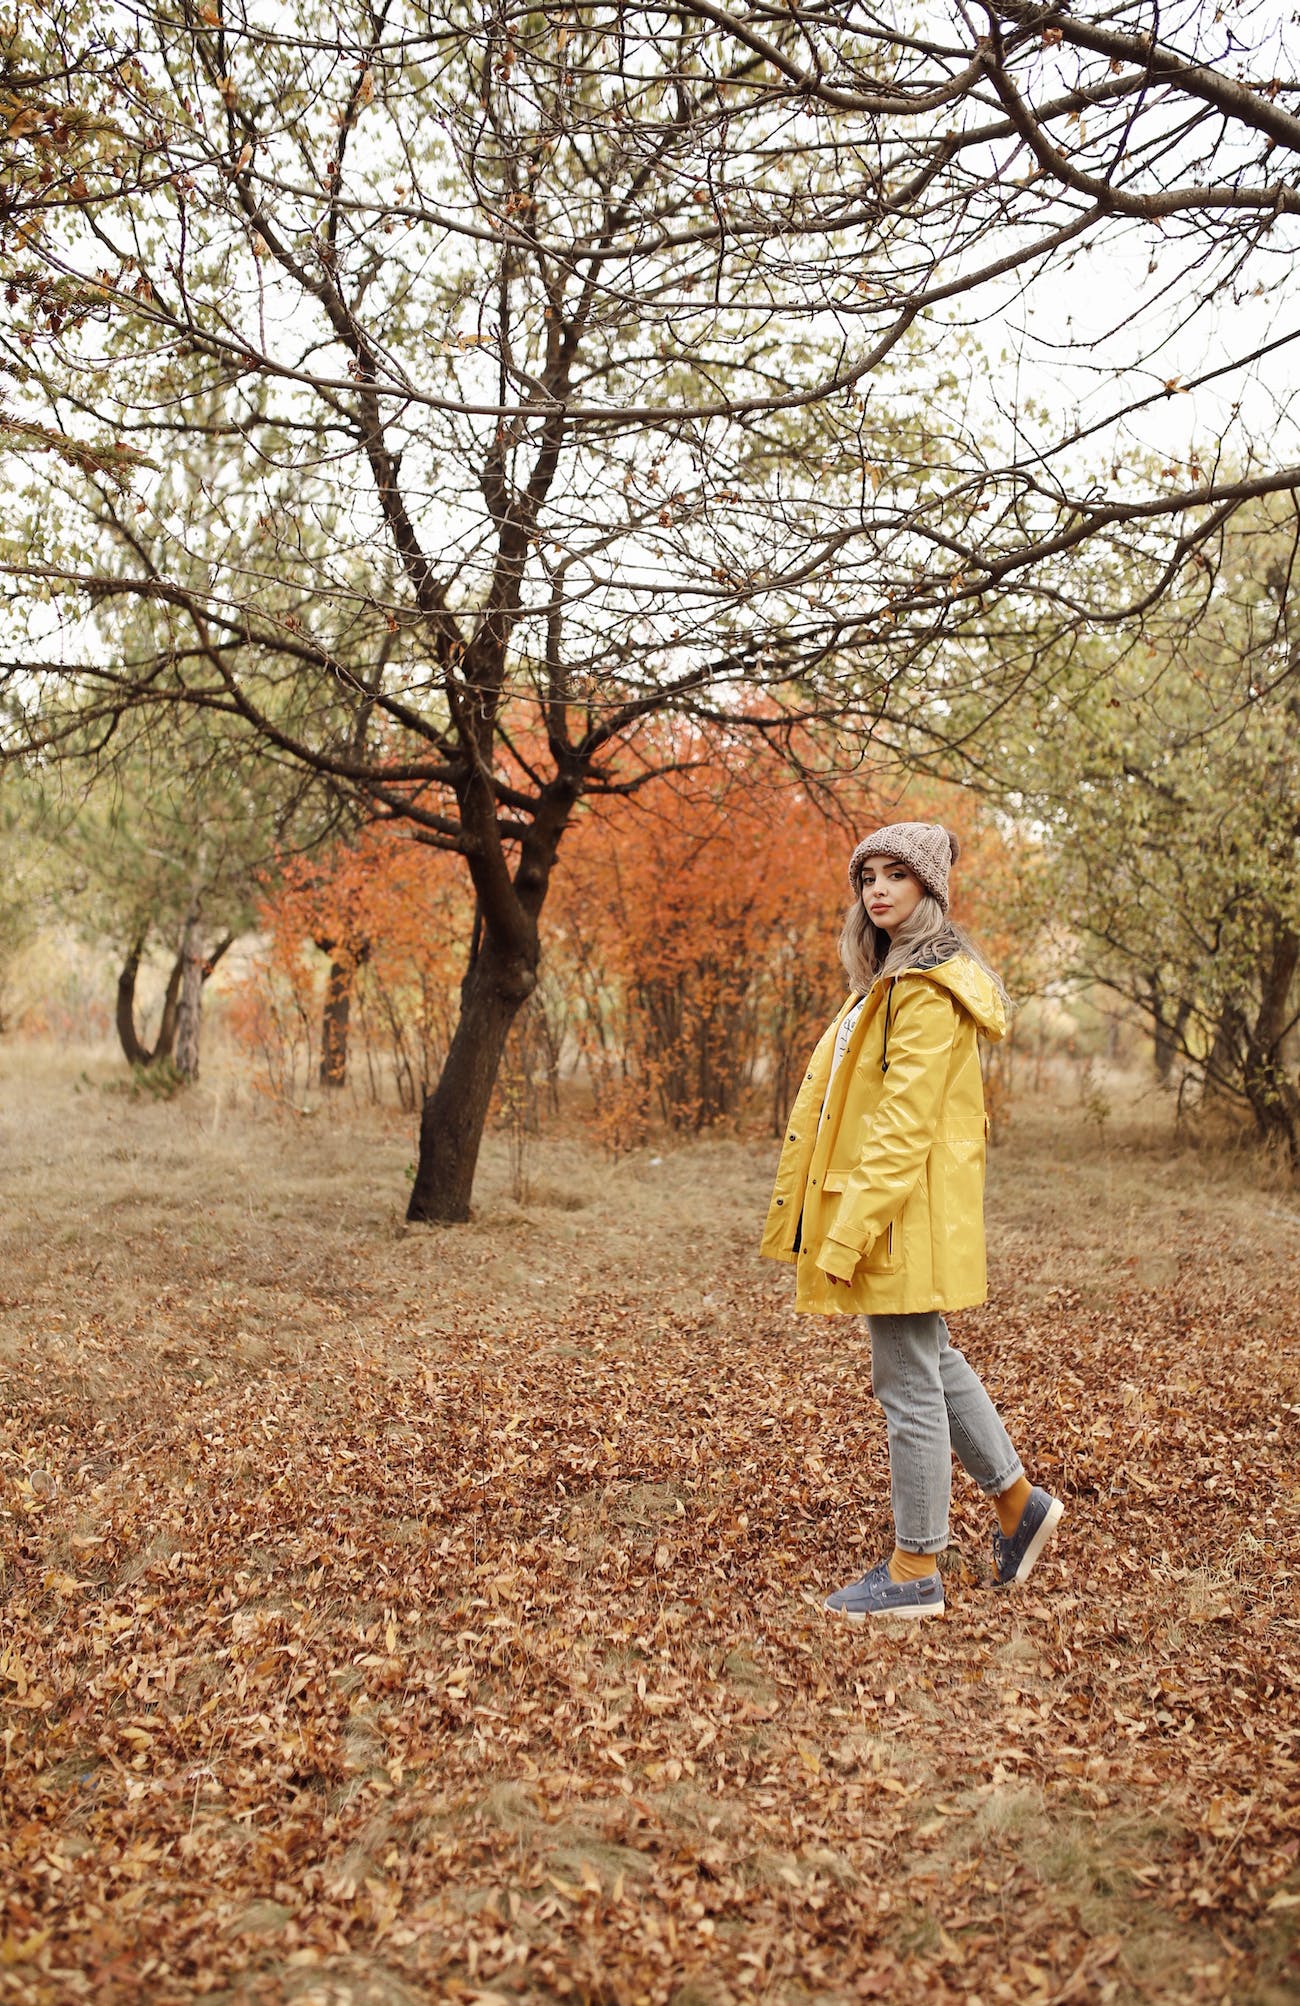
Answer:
(927, 849)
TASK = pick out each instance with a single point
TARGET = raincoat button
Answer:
(792, 1138)
(780, 1201)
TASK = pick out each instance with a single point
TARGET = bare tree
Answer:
(542, 371)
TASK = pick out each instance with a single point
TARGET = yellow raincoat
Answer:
(887, 1191)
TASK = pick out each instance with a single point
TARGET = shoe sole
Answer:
(859, 1616)
(1034, 1551)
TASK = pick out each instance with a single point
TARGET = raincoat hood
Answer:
(972, 987)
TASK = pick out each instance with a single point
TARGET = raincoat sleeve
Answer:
(898, 1134)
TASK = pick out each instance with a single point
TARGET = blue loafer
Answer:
(1014, 1558)
(878, 1594)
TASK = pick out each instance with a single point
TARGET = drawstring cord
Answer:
(884, 1050)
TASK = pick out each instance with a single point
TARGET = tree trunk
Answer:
(1226, 1060)
(165, 1043)
(190, 1011)
(1167, 1034)
(334, 1022)
(136, 1052)
(451, 1126)
(1274, 1098)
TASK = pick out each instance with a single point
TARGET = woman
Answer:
(879, 1200)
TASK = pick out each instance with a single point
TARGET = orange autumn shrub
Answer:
(366, 944)
(694, 929)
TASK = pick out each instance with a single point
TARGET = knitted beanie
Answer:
(926, 848)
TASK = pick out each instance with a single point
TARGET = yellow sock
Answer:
(911, 1566)
(1010, 1505)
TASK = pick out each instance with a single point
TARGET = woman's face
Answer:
(889, 892)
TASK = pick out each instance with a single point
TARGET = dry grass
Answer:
(541, 1510)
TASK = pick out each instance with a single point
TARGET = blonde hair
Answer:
(926, 937)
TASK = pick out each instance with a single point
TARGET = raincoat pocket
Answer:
(881, 1258)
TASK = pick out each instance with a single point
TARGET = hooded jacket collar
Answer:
(967, 982)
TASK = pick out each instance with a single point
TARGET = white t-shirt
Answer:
(842, 1037)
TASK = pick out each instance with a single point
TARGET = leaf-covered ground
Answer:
(394, 1616)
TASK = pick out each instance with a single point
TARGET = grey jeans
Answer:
(934, 1404)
